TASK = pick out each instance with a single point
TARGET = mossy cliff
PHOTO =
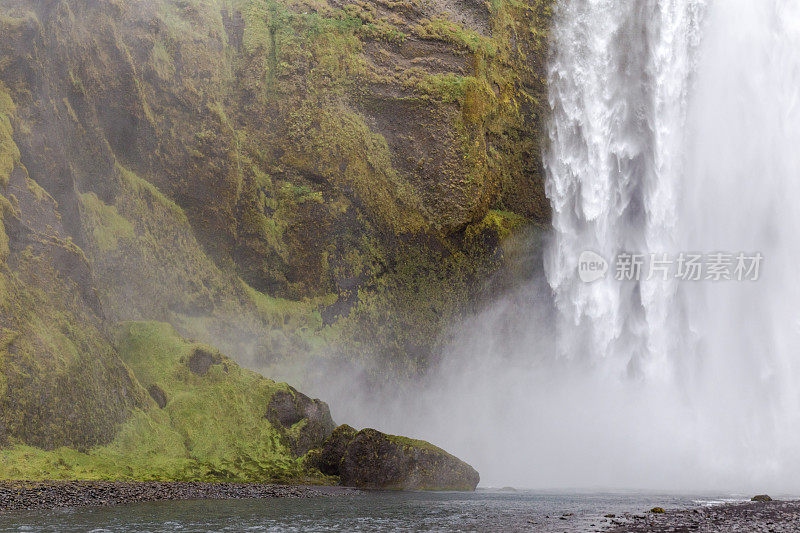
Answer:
(205, 419)
(289, 181)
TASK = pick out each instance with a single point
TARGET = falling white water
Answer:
(741, 193)
(675, 127)
(619, 85)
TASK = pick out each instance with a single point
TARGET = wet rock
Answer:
(761, 498)
(327, 459)
(288, 408)
(657, 510)
(17, 495)
(371, 459)
(777, 516)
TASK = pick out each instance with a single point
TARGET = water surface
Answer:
(484, 510)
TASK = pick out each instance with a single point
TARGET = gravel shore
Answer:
(750, 517)
(22, 495)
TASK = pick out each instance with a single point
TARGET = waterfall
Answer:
(619, 83)
(675, 128)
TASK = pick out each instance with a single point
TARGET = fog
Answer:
(675, 128)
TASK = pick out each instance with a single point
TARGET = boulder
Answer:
(158, 395)
(371, 459)
(328, 458)
(288, 408)
(761, 498)
(201, 361)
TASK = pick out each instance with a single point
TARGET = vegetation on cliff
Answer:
(206, 419)
(289, 181)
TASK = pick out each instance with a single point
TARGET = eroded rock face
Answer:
(252, 173)
(371, 459)
(320, 149)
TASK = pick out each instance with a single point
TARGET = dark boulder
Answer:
(288, 408)
(201, 360)
(158, 395)
(371, 459)
(328, 458)
(761, 498)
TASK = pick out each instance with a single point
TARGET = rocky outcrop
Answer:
(307, 423)
(371, 459)
(285, 180)
(349, 161)
(328, 457)
(206, 419)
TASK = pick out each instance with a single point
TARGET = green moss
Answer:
(497, 224)
(162, 61)
(9, 153)
(37, 191)
(213, 427)
(417, 444)
(6, 209)
(334, 142)
(259, 27)
(449, 31)
(147, 191)
(288, 315)
(192, 19)
(57, 363)
(108, 226)
(449, 88)
(374, 26)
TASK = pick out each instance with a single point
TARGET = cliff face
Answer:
(285, 179)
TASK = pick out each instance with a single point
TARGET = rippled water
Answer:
(484, 510)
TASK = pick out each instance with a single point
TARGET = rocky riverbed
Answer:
(750, 517)
(20, 495)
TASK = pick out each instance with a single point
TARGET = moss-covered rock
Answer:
(208, 419)
(328, 458)
(61, 381)
(371, 459)
(308, 421)
(212, 421)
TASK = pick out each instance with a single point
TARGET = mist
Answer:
(675, 129)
